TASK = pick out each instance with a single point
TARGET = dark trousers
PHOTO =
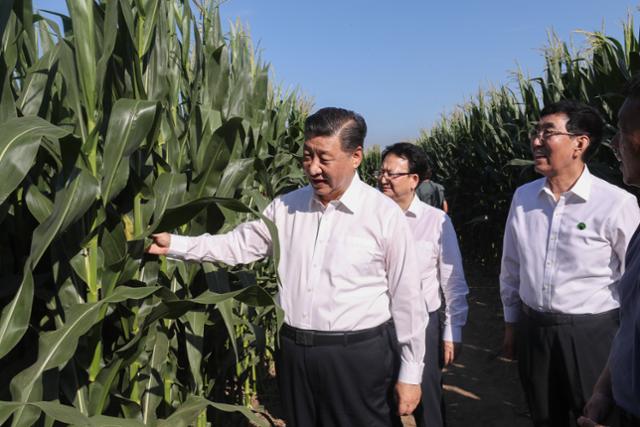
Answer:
(560, 357)
(625, 419)
(337, 384)
(430, 411)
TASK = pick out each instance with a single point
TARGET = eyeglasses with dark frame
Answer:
(390, 175)
(545, 134)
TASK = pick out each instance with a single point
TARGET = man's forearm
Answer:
(246, 243)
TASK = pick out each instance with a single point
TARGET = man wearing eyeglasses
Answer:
(564, 247)
(403, 166)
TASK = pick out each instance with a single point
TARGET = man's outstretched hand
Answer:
(160, 245)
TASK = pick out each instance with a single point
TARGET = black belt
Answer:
(312, 338)
(547, 318)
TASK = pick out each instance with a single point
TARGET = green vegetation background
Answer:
(139, 116)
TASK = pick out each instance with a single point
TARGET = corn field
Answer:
(134, 117)
(481, 151)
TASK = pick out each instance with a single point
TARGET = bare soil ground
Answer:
(480, 388)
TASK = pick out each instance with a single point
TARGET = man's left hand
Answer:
(408, 397)
(451, 351)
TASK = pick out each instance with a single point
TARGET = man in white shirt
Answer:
(403, 167)
(347, 268)
(564, 247)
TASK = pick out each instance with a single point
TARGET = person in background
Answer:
(564, 246)
(431, 192)
(618, 388)
(403, 167)
(348, 274)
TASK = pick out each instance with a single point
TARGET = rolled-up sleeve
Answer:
(407, 305)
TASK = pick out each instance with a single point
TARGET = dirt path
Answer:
(482, 389)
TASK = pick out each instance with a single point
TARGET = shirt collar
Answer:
(350, 199)
(582, 187)
(415, 208)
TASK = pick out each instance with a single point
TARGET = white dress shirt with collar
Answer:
(440, 264)
(346, 266)
(566, 256)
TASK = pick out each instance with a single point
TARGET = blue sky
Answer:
(403, 64)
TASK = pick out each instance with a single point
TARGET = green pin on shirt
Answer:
(581, 226)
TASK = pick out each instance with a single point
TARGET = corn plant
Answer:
(481, 151)
(134, 117)
(371, 163)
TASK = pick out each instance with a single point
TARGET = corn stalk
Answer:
(137, 116)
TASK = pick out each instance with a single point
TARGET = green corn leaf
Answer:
(130, 123)
(520, 162)
(170, 189)
(18, 147)
(172, 307)
(15, 315)
(7, 104)
(56, 410)
(73, 387)
(214, 156)
(234, 174)
(58, 346)
(226, 312)
(181, 214)
(189, 410)
(153, 385)
(70, 204)
(108, 44)
(148, 18)
(67, 414)
(34, 93)
(38, 204)
(100, 388)
(194, 326)
(84, 41)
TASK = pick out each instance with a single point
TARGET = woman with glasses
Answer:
(404, 166)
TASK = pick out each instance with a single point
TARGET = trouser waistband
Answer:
(565, 318)
(316, 338)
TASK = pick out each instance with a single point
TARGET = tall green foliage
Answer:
(481, 151)
(137, 116)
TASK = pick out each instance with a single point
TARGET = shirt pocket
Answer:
(358, 257)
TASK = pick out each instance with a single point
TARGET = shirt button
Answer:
(308, 289)
(304, 315)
